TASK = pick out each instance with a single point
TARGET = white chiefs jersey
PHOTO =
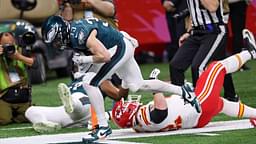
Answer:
(180, 115)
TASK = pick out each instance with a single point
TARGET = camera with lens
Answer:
(9, 49)
(27, 39)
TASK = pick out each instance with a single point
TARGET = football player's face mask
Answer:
(55, 31)
(58, 42)
(123, 112)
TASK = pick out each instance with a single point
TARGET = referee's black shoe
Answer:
(249, 42)
(234, 98)
(244, 68)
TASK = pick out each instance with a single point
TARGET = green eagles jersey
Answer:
(77, 86)
(81, 29)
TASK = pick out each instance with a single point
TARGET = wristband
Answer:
(87, 59)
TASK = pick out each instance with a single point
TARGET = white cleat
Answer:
(249, 42)
(154, 73)
(65, 96)
(46, 127)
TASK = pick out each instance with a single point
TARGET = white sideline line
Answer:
(211, 127)
(127, 133)
(207, 134)
(117, 142)
(19, 128)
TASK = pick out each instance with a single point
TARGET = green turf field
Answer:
(46, 95)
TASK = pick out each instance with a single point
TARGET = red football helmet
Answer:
(123, 112)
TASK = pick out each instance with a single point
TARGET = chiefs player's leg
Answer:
(208, 90)
(238, 109)
(211, 81)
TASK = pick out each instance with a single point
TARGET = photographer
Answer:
(15, 90)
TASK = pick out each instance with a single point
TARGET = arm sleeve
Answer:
(157, 115)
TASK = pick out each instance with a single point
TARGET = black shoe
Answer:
(99, 132)
(244, 68)
(189, 96)
(233, 98)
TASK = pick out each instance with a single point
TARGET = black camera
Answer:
(9, 49)
(26, 39)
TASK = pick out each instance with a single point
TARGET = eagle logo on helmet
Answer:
(55, 30)
(51, 34)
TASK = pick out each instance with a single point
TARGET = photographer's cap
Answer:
(7, 28)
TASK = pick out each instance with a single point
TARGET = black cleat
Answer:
(232, 98)
(99, 132)
(189, 97)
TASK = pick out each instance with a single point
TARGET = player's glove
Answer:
(154, 73)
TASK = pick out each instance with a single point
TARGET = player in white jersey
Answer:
(49, 119)
(163, 114)
(76, 108)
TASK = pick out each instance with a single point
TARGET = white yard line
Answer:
(19, 128)
(128, 133)
(207, 134)
(118, 142)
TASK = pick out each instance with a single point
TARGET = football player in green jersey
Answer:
(110, 51)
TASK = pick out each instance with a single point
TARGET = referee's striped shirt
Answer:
(201, 16)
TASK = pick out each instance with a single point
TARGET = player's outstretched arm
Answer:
(99, 51)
